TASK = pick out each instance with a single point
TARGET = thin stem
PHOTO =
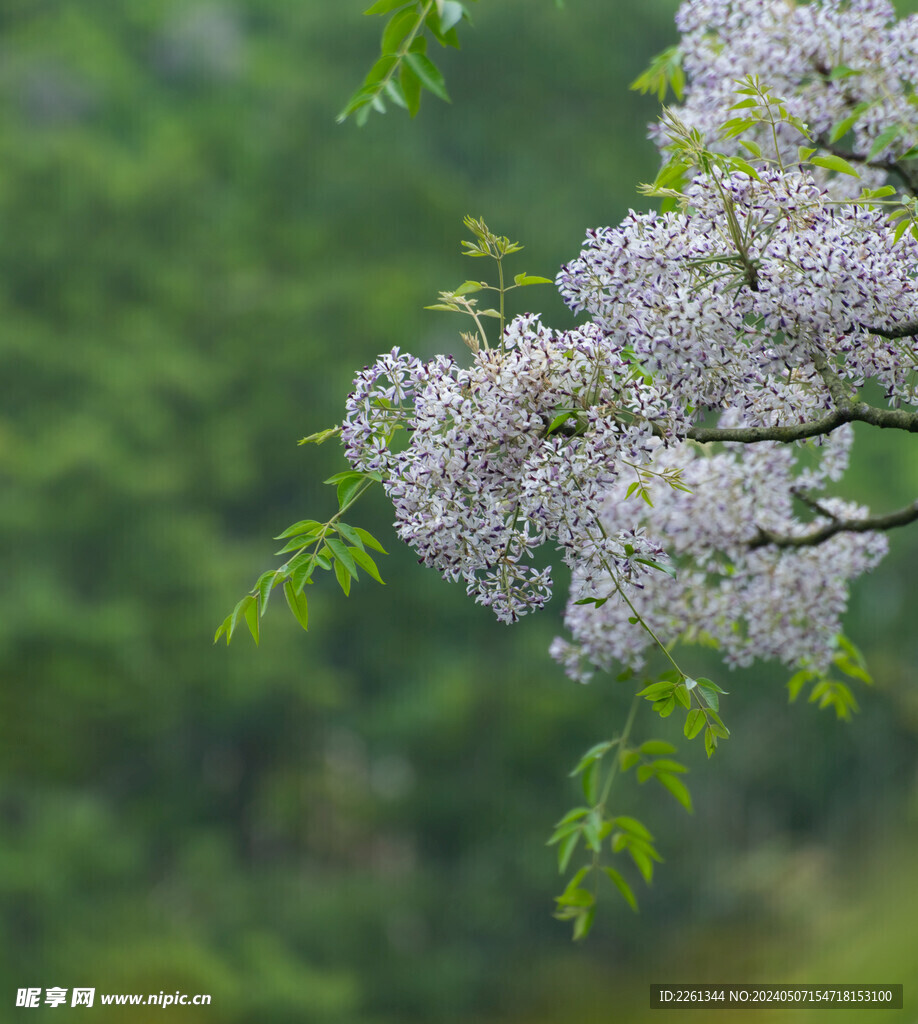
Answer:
(627, 600)
(621, 740)
(500, 275)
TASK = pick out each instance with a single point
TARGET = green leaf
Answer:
(656, 690)
(469, 287)
(566, 850)
(583, 924)
(345, 474)
(638, 843)
(576, 897)
(397, 29)
(709, 684)
(717, 726)
(562, 831)
(835, 163)
(223, 630)
(428, 74)
(682, 695)
(710, 742)
(622, 886)
(593, 754)
(591, 831)
(668, 569)
(678, 789)
(884, 139)
(558, 420)
(665, 71)
(633, 826)
(296, 543)
(737, 164)
(298, 604)
(358, 101)
(736, 126)
(320, 437)
(240, 609)
(342, 555)
(369, 540)
(381, 69)
(590, 782)
(301, 569)
(349, 534)
(629, 760)
(841, 128)
(524, 280)
(251, 620)
(654, 747)
(365, 562)
(573, 815)
(384, 6)
(574, 883)
(796, 683)
(343, 577)
(666, 765)
(264, 586)
(694, 723)
(709, 695)
(451, 14)
(665, 708)
(842, 71)
(305, 526)
(878, 193)
(643, 862)
(347, 489)
(394, 91)
(411, 87)
(847, 666)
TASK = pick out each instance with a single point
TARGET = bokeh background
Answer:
(347, 827)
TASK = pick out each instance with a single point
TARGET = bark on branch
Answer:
(870, 524)
(855, 412)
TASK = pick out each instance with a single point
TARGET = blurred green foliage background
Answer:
(347, 827)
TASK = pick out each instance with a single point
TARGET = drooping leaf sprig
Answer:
(403, 69)
(333, 546)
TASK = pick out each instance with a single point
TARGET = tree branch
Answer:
(906, 330)
(871, 524)
(855, 412)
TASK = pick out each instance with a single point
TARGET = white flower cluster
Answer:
(764, 303)
(762, 275)
(829, 60)
(754, 601)
(483, 481)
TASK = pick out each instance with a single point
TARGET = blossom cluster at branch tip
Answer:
(827, 60)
